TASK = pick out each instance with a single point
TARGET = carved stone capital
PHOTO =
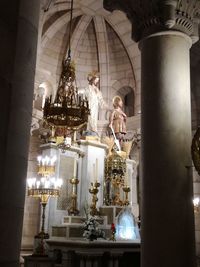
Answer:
(148, 17)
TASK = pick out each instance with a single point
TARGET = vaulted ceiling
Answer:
(100, 40)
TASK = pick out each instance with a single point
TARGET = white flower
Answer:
(91, 230)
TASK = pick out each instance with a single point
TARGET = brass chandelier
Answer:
(69, 110)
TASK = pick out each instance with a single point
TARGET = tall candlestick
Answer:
(96, 170)
(75, 167)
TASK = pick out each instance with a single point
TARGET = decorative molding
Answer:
(92, 143)
(148, 17)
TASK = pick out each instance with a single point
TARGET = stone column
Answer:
(167, 211)
(19, 32)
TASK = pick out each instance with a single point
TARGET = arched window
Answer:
(129, 104)
(127, 95)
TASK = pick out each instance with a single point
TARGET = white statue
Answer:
(95, 100)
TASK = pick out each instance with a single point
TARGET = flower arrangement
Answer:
(113, 232)
(91, 230)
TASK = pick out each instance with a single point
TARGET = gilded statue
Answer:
(118, 118)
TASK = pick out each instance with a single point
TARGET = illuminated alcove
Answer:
(126, 226)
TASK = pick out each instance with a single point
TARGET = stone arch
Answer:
(123, 87)
(103, 57)
(121, 25)
(78, 33)
(127, 93)
(56, 8)
(58, 24)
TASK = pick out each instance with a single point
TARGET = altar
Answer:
(85, 161)
(79, 253)
(96, 253)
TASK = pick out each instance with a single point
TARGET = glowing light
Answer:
(196, 201)
(127, 228)
(44, 183)
(125, 232)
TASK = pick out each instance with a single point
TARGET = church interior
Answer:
(100, 137)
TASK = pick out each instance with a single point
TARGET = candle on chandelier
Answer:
(43, 182)
(38, 184)
(39, 158)
(47, 184)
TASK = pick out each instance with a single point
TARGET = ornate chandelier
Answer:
(69, 110)
(46, 165)
(44, 187)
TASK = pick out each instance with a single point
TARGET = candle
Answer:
(38, 184)
(60, 182)
(129, 176)
(39, 158)
(47, 184)
(43, 182)
(75, 167)
(96, 170)
(126, 178)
